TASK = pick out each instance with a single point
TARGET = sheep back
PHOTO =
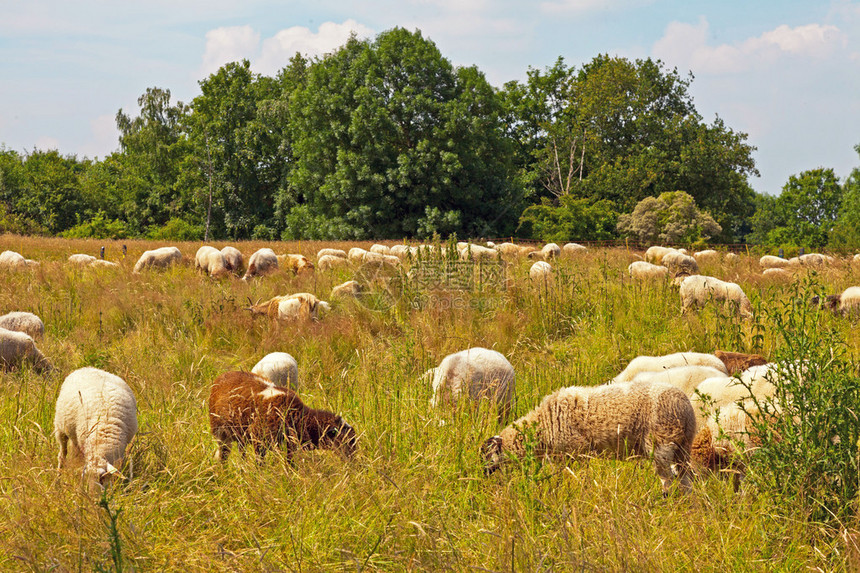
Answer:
(660, 363)
(480, 374)
(160, 258)
(18, 347)
(25, 322)
(279, 368)
(263, 262)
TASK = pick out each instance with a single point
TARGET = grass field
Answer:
(414, 497)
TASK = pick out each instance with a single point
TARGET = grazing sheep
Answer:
(233, 259)
(11, 259)
(508, 249)
(541, 270)
(678, 278)
(97, 412)
(263, 262)
(17, 347)
(356, 255)
(685, 378)
(211, 261)
(81, 259)
(772, 262)
(647, 271)
(732, 257)
(477, 252)
(328, 262)
(637, 418)
(655, 254)
(103, 263)
(573, 249)
(25, 322)
(737, 362)
(402, 251)
(660, 363)
(707, 256)
(298, 264)
(718, 392)
(815, 260)
(381, 249)
(279, 368)
(550, 251)
(678, 262)
(480, 374)
(348, 289)
(299, 306)
(697, 290)
(248, 409)
(777, 273)
(158, 259)
(332, 253)
(848, 301)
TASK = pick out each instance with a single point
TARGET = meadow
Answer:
(414, 497)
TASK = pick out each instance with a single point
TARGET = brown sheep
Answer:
(248, 409)
(737, 362)
(302, 306)
(298, 264)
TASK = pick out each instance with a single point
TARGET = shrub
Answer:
(99, 227)
(176, 230)
(670, 218)
(572, 219)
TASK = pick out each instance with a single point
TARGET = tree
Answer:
(573, 219)
(51, 190)
(846, 231)
(390, 140)
(671, 218)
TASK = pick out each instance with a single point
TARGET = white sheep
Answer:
(573, 249)
(541, 270)
(815, 260)
(331, 253)
(280, 368)
(17, 347)
(158, 259)
(772, 262)
(697, 290)
(81, 260)
(647, 271)
(508, 249)
(685, 378)
(12, 260)
(547, 252)
(25, 322)
(732, 257)
(660, 363)
(477, 252)
(233, 259)
(778, 273)
(348, 289)
(638, 418)
(678, 262)
(381, 249)
(356, 255)
(97, 412)
(263, 262)
(402, 251)
(211, 261)
(717, 392)
(328, 262)
(707, 256)
(477, 373)
(849, 300)
(655, 254)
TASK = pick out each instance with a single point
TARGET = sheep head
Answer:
(491, 451)
(329, 431)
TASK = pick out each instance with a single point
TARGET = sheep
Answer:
(815, 259)
(849, 300)
(777, 273)
(480, 374)
(97, 412)
(328, 262)
(618, 419)
(477, 252)
(233, 259)
(697, 290)
(158, 259)
(643, 270)
(210, 260)
(737, 362)
(660, 363)
(332, 253)
(541, 270)
(685, 378)
(104, 264)
(248, 409)
(348, 289)
(25, 322)
(573, 249)
(263, 262)
(17, 347)
(717, 392)
(707, 256)
(548, 251)
(11, 259)
(279, 368)
(381, 249)
(655, 254)
(356, 255)
(732, 257)
(298, 264)
(508, 249)
(678, 262)
(297, 306)
(401, 251)
(81, 259)
(772, 262)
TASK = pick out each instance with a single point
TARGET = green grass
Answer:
(414, 497)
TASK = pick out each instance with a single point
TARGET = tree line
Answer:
(384, 139)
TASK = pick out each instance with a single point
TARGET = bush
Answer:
(670, 218)
(98, 227)
(573, 219)
(176, 230)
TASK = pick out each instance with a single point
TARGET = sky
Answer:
(785, 72)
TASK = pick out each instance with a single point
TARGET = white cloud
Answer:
(685, 45)
(582, 6)
(225, 45)
(278, 50)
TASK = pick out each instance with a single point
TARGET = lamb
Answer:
(18, 347)
(233, 259)
(263, 262)
(25, 322)
(332, 253)
(617, 419)
(328, 262)
(678, 262)
(737, 362)
(158, 259)
(655, 254)
(279, 368)
(248, 409)
(299, 306)
(772, 262)
(97, 412)
(348, 289)
(541, 270)
(210, 260)
(685, 378)
(697, 290)
(647, 271)
(573, 249)
(480, 374)
(660, 363)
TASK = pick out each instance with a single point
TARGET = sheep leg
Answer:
(664, 456)
(64, 449)
(222, 452)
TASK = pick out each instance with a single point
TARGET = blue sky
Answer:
(787, 73)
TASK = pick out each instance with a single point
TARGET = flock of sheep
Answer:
(688, 410)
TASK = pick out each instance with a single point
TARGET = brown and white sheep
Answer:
(297, 264)
(299, 306)
(638, 418)
(263, 262)
(248, 409)
(233, 259)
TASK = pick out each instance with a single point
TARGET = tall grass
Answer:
(414, 497)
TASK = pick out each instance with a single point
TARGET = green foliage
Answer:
(176, 230)
(846, 231)
(572, 219)
(808, 449)
(671, 218)
(98, 227)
